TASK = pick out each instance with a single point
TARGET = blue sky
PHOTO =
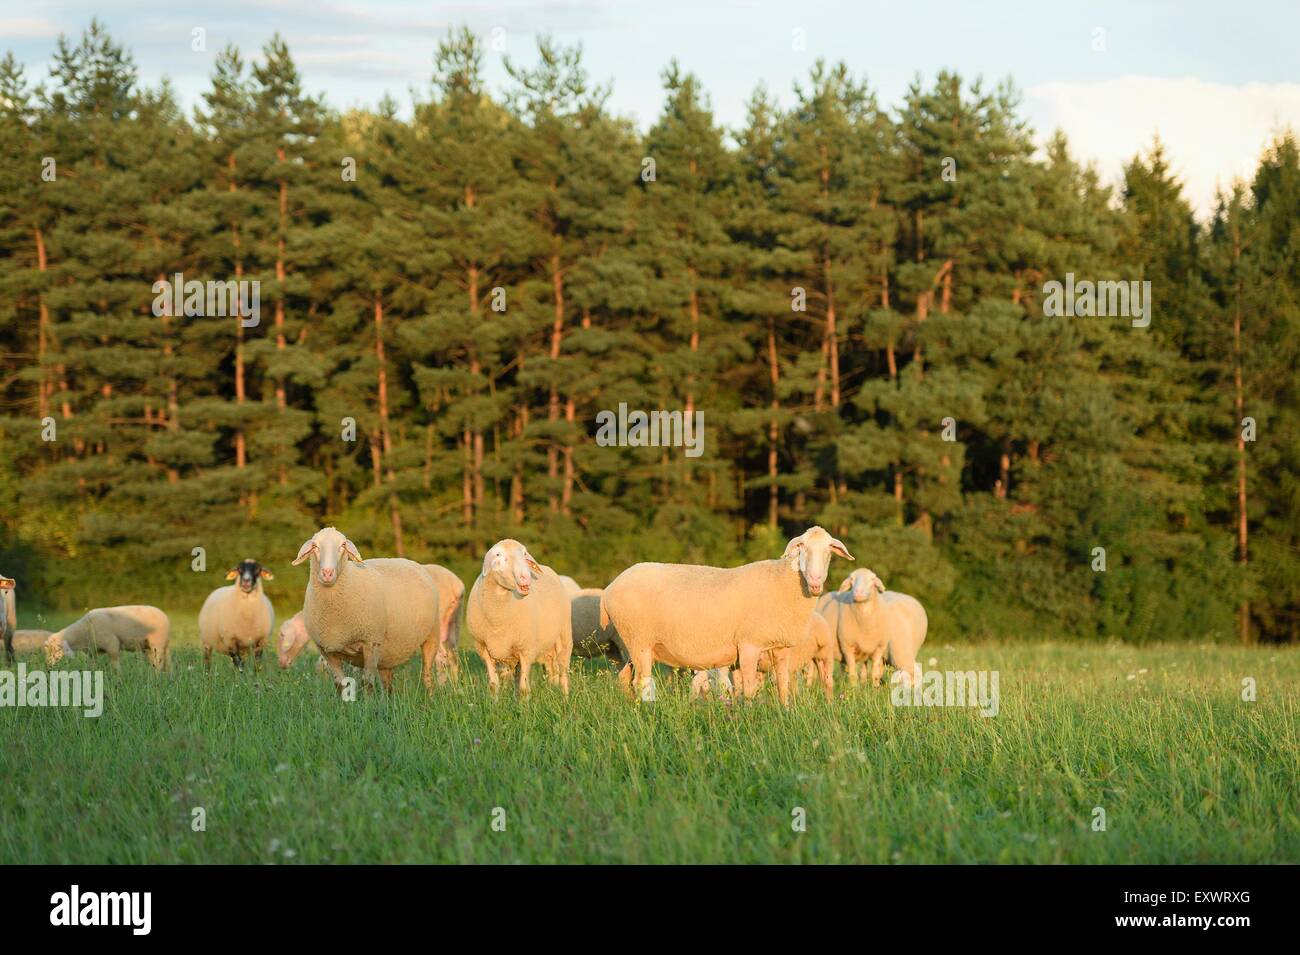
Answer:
(1214, 80)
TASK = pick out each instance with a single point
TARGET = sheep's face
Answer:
(330, 550)
(509, 565)
(55, 649)
(862, 583)
(249, 573)
(810, 553)
(289, 643)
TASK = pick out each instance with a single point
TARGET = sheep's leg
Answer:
(370, 662)
(387, 677)
(207, 659)
(625, 678)
(334, 667)
(877, 666)
(643, 669)
(257, 660)
(525, 669)
(700, 685)
(827, 670)
(237, 658)
(563, 659)
(783, 676)
(494, 681)
(749, 670)
(851, 665)
(428, 655)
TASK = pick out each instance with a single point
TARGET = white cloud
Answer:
(1212, 132)
(28, 27)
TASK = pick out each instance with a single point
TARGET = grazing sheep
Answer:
(293, 638)
(871, 622)
(451, 594)
(30, 641)
(571, 586)
(701, 618)
(8, 616)
(374, 614)
(111, 630)
(519, 613)
(818, 649)
(238, 619)
(590, 639)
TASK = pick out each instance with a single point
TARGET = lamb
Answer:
(30, 641)
(702, 618)
(590, 639)
(519, 613)
(374, 614)
(293, 638)
(238, 619)
(818, 649)
(871, 622)
(8, 616)
(451, 594)
(111, 630)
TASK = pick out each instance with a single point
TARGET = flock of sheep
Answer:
(770, 616)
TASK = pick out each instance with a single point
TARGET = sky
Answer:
(1215, 81)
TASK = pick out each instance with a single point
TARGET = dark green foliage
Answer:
(853, 297)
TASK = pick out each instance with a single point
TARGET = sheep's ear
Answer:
(840, 549)
(880, 585)
(305, 551)
(232, 573)
(487, 562)
(350, 549)
(792, 548)
(532, 564)
(267, 575)
(848, 584)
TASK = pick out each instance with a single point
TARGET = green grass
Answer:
(1157, 736)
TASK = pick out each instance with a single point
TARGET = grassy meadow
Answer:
(1157, 736)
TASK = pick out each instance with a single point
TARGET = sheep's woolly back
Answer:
(386, 602)
(908, 625)
(507, 625)
(590, 639)
(571, 586)
(232, 620)
(30, 641)
(697, 617)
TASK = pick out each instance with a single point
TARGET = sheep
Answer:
(590, 639)
(30, 641)
(702, 618)
(113, 629)
(451, 594)
(8, 616)
(293, 638)
(519, 613)
(817, 650)
(571, 586)
(871, 622)
(238, 619)
(371, 613)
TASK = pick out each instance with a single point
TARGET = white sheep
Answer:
(571, 586)
(30, 641)
(8, 616)
(238, 619)
(877, 624)
(519, 614)
(451, 594)
(702, 618)
(590, 639)
(815, 653)
(111, 630)
(374, 614)
(293, 639)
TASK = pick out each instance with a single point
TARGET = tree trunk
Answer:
(553, 406)
(773, 429)
(385, 431)
(1243, 527)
